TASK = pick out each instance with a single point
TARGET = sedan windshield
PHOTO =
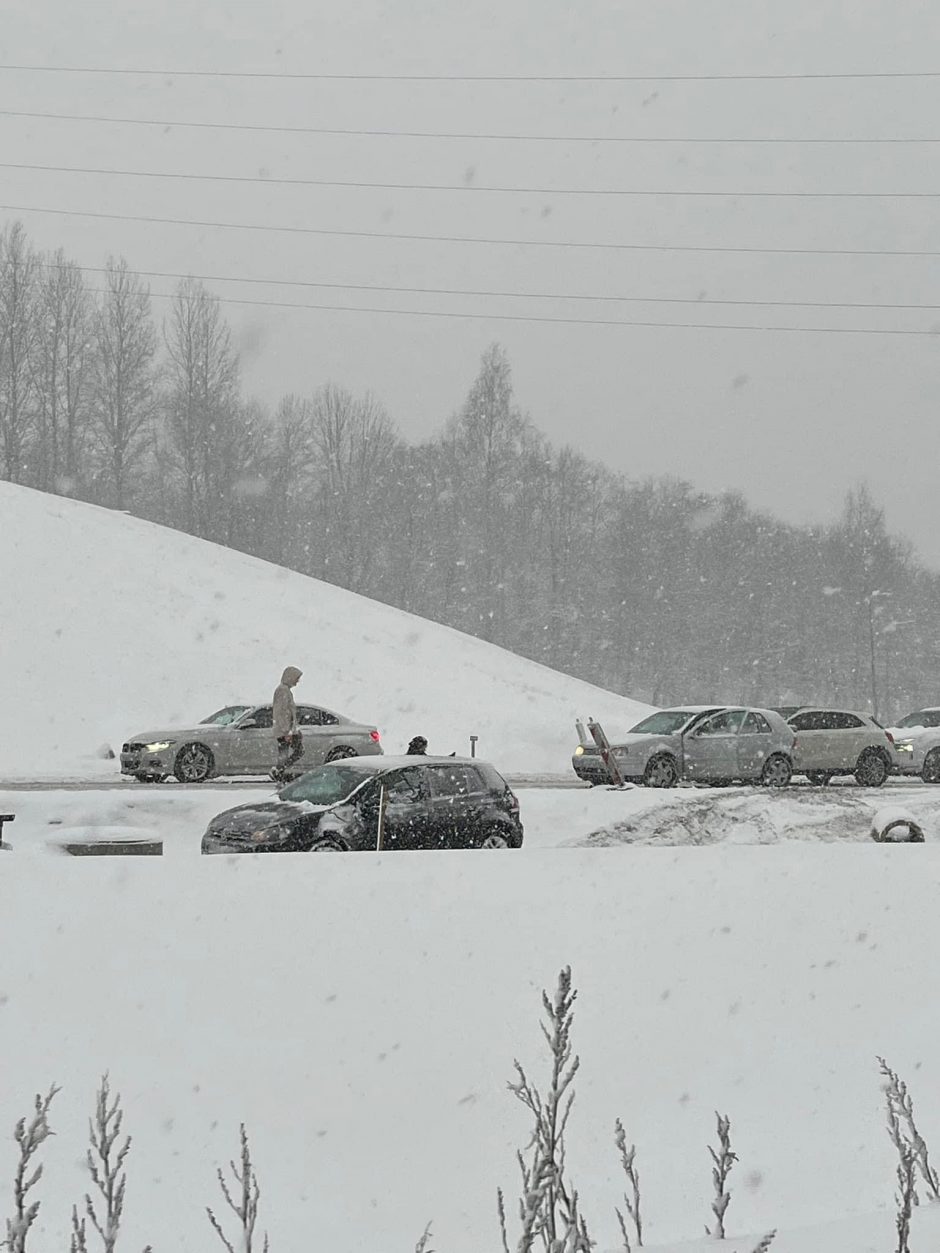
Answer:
(327, 785)
(925, 718)
(666, 722)
(225, 717)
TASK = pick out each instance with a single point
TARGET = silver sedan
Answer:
(239, 740)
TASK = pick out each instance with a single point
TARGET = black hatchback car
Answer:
(369, 803)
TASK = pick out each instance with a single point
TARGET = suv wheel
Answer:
(340, 753)
(871, 769)
(931, 770)
(661, 771)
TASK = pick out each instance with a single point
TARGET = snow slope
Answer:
(112, 626)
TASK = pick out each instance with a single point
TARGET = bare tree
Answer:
(201, 404)
(62, 374)
(124, 384)
(723, 1159)
(19, 281)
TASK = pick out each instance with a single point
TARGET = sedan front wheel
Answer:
(931, 770)
(193, 764)
(661, 771)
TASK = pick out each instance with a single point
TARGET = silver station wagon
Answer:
(239, 740)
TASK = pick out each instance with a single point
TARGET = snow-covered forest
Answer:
(651, 588)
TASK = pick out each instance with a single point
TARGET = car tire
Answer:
(819, 778)
(328, 844)
(341, 753)
(661, 771)
(496, 838)
(777, 771)
(871, 769)
(931, 770)
(194, 764)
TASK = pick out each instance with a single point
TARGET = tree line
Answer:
(650, 588)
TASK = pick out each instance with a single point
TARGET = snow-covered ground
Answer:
(361, 1014)
(112, 626)
(740, 950)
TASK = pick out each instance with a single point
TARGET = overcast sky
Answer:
(790, 419)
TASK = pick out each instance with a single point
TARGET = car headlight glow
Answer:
(579, 751)
(158, 746)
(905, 746)
(271, 835)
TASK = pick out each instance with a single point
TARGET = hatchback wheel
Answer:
(193, 763)
(661, 771)
(339, 754)
(871, 769)
(495, 839)
(327, 844)
(777, 771)
(931, 771)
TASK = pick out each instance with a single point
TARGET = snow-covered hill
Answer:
(111, 625)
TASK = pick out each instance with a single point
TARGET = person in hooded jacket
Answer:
(417, 748)
(290, 744)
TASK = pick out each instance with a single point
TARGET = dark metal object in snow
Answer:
(473, 745)
(603, 744)
(115, 848)
(5, 818)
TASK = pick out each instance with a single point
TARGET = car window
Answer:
(666, 722)
(755, 724)
(327, 785)
(405, 786)
(225, 717)
(262, 717)
(453, 781)
(725, 723)
(814, 720)
(922, 718)
(846, 722)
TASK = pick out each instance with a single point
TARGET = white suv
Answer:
(917, 740)
(841, 741)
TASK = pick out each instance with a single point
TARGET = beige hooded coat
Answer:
(285, 711)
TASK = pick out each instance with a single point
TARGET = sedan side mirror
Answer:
(248, 725)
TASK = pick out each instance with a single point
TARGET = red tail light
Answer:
(513, 802)
(374, 737)
(796, 741)
(890, 737)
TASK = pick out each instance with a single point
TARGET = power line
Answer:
(520, 317)
(476, 189)
(476, 240)
(163, 123)
(288, 76)
(510, 295)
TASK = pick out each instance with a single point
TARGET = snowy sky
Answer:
(790, 419)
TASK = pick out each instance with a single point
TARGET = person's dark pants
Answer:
(289, 749)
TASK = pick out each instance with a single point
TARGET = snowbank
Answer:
(112, 626)
(361, 1015)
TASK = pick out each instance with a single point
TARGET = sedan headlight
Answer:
(159, 745)
(579, 751)
(904, 746)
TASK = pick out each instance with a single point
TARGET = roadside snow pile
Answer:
(894, 825)
(771, 816)
(112, 625)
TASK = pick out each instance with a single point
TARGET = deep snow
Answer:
(112, 625)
